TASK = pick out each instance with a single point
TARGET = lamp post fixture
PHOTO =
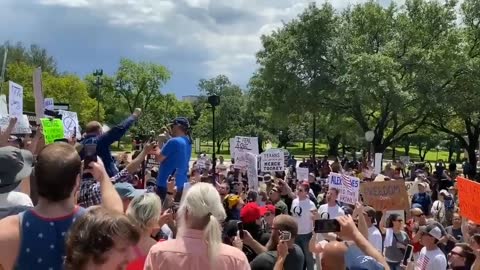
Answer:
(214, 101)
(369, 136)
(98, 82)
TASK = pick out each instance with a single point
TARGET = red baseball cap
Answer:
(267, 208)
(250, 213)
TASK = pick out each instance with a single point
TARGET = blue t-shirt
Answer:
(177, 152)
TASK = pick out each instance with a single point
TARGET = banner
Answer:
(348, 186)
(48, 104)
(302, 174)
(38, 93)
(252, 171)
(389, 195)
(468, 199)
(52, 129)
(241, 144)
(70, 124)
(15, 99)
(272, 161)
(21, 127)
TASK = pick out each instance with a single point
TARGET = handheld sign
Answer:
(272, 161)
(48, 104)
(468, 198)
(52, 129)
(15, 99)
(348, 187)
(21, 127)
(241, 144)
(252, 171)
(70, 124)
(389, 195)
(302, 174)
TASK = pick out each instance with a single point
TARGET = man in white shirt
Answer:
(374, 235)
(331, 209)
(302, 208)
(431, 257)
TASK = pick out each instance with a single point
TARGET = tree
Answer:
(34, 56)
(425, 141)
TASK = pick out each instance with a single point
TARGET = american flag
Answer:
(422, 262)
(347, 183)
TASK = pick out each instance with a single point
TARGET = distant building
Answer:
(190, 98)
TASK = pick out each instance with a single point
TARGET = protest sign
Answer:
(240, 161)
(468, 199)
(389, 195)
(348, 187)
(15, 99)
(48, 104)
(3, 105)
(21, 127)
(52, 129)
(201, 163)
(38, 93)
(252, 171)
(378, 163)
(151, 162)
(241, 144)
(302, 174)
(70, 124)
(412, 188)
(272, 161)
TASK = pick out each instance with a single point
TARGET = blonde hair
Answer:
(203, 206)
(145, 210)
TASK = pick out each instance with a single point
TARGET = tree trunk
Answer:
(303, 145)
(219, 144)
(472, 157)
(344, 150)
(407, 148)
(394, 152)
(451, 148)
(333, 143)
(422, 157)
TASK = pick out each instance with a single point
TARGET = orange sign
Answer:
(468, 199)
(389, 195)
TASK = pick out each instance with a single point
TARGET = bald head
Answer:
(333, 256)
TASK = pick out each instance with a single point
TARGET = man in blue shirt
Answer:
(175, 157)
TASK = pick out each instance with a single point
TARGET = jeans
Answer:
(394, 266)
(303, 240)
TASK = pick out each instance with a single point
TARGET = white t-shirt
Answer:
(431, 260)
(327, 212)
(375, 238)
(301, 212)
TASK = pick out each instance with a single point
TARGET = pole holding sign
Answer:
(38, 93)
(15, 99)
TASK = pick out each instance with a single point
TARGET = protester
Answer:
(198, 244)
(421, 199)
(461, 257)
(96, 136)
(396, 240)
(275, 198)
(27, 240)
(331, 209)
(454, 233)
(174, 158)
(100, 239)
(431, 257)
(374, 235)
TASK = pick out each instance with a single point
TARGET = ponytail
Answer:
(213, 237)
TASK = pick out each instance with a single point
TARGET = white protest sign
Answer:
(348, 186)
(412, 188)
(240, 161)
(378, 163)
(15, 99)
(252, 171)
(21, 127)
(201, 163)
(3, 105)
(272, 161)
(38, 93)
(70, 124)
(48, 104)
(241, 144)
(302, 174)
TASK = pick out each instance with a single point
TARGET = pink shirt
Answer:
(189, 252)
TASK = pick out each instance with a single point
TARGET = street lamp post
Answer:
(214, 101)
(369, 136)
(98, 82)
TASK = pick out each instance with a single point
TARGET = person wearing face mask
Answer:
(461, 257)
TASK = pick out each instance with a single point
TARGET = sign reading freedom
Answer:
(389, 195)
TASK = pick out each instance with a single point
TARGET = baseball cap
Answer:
(432, 230)
(250, 213)
(15, 165)
(267, 208)
(231, 200)
(444, 192)
(128, 191)
(181, 121)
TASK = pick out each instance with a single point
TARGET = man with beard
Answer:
(282, 224)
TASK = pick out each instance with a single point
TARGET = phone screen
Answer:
(172, 175)
(326, 226)
(408, 255)
(90, 154)
(240, 229)
(285, 236)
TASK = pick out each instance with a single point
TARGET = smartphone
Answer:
(240, 229)
(174, 208)
(170, 177)
(326, 226)
(285, 236)
(408, 255)
(90, 154)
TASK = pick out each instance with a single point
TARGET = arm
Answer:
(279, 263)
(252, 243)
(5, 134)
(119, 130)
(133, 166)
(110, 198)
(381, 224)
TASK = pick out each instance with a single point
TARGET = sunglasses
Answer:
(455, 253)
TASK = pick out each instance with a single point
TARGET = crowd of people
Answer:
(62, 208)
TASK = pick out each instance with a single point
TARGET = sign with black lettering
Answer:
(272, 161)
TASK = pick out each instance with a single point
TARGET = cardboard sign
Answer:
(348, 186)
(272, 161)
(15, 99)
(389, 195)
(302, 174)
(38, 93)
(468, 199)
(3, 105)
(52, 129)
(70, 124)
(241, 144)
(412, 188)
(48, 104)
(252, 171)
(21, 127)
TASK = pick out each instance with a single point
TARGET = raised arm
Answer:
(5, 134)
(117, 132)
(110, 198)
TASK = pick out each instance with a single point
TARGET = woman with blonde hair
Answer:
(144, 211)
(199, 241)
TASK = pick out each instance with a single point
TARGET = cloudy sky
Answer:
(194, 39)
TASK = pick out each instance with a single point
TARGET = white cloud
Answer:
(67, 3)
(155, 47)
